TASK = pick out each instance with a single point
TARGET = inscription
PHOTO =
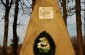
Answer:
(46, 13)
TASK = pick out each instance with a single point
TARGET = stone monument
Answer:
(46, 33)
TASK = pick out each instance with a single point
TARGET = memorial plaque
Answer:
(46, 13)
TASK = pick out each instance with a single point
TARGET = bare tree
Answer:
(64, 11)
(15, 37)
(79, 25)
(7, 6)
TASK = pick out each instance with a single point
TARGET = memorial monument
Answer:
(46, 32)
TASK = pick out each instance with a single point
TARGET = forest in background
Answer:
(14, 8)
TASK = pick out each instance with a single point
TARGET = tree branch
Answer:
(3, 3)
(11, 4)
(82, 9)
(72, 13)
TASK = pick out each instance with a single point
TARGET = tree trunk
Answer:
(4, 49)
(7, 6)
(6, 22)
(33, 3)
(64, 11)
(79, 25)
(15, 37)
